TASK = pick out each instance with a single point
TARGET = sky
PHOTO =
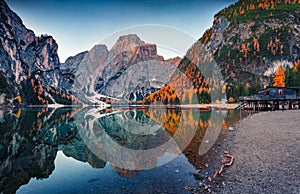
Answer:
(79, 25)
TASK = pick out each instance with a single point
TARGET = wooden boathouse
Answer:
(271, 98)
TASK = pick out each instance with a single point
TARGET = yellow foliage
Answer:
(18, 113)
(279, 77)
(19, 99)
(256, 44)
(252, 7)
(243, 47)
(242, 11)
(209, 90)
(200, 90)
(231, 100)
(190, 96)
(223, 89)
(296, 66)
(247, 86)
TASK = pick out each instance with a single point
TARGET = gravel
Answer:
(266, 148)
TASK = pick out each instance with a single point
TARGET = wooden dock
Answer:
(271, 98)
(257, 103)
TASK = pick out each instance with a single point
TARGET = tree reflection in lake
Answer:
(31, 138)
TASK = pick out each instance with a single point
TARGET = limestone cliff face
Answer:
(129, 71)
(27, 60)
(249, 39)
(88, 69)
(124, 43)
(69, 69)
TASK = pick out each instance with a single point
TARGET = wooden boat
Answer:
(204, 108)
(140, 108)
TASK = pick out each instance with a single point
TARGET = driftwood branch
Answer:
(218, 172)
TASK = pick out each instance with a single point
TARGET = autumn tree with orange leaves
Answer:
(279, 78)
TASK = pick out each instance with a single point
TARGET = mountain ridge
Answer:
(249, 40)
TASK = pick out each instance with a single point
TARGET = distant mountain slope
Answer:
(248, 40)
(187, 85)
(239, 54)
(134, 72)
(129, 71)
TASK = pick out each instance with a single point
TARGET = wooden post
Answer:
(255, 106)
(276, 105)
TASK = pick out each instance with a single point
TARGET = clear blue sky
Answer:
(79, 25)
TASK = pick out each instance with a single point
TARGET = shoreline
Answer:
(212, 106)
(266, 154)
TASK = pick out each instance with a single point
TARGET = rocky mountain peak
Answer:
(130, 67)
(126, 42)
(99, 48)
(73, 61)
(122, 72)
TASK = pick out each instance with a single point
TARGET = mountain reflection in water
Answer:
(39, 145)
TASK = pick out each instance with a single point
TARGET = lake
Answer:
(115, 150)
